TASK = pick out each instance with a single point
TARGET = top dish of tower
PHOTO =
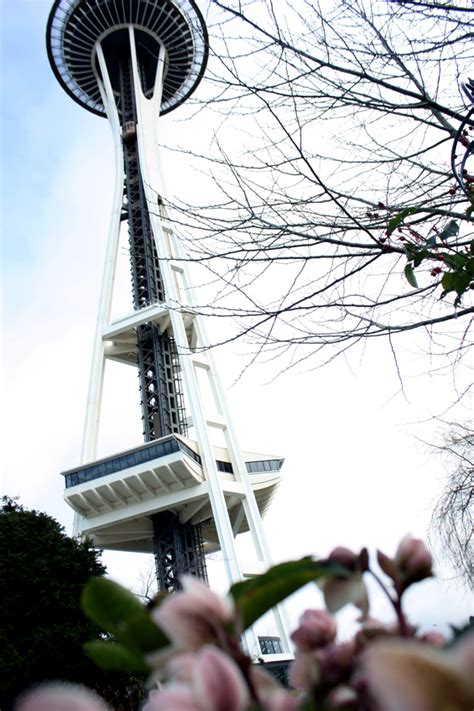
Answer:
(75, 26)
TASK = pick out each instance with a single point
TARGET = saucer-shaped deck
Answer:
(75, 26)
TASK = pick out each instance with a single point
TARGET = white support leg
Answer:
(94, 398)
(96, 381)
(249, 503)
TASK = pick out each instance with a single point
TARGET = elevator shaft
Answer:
(178, 549)
(158, 365)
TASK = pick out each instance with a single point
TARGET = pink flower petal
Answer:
(304, 672)
(60, 697)
(193, 617)
(316, 629)
(413, 561)
(180, 667)
(175, 697)
(281, 700)
(203, 594)
(218, 682)
(407, 674)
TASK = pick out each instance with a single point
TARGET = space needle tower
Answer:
(188, 489)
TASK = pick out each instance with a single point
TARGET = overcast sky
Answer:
(355, 471)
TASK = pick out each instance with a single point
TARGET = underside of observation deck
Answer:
(74, 27)
(119, 496)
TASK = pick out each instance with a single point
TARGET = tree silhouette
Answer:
(42, 626)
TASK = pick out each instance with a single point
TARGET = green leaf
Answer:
(118, 612)
(461, 282)
(398, 219)
(447, 282)
(455, 281)
(410, 276)
(470, 266)
(254, 597)
(455, 261)
(431, 241)
(115, 657)
(418, 257)
(458, 260)
(451, 230)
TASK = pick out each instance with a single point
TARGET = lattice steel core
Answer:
(178, 549)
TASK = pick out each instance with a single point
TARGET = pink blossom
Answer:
(218, 683)
(336, 662)
(281, 700)
(344, 557)
(406, 674)
(172, 697)
(210, 682)
(304, 672)
(413, 562)
(193, 617)
(60, 696)
(316, 629)
(171, 665)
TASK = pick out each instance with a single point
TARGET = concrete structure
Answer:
(178, 495)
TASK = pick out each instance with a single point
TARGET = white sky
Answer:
(355, 473)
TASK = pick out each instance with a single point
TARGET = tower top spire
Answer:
(75, 27)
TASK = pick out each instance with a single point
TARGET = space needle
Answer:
(188, 489)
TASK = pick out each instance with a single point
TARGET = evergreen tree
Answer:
(42, 626)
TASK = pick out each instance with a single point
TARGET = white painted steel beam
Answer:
(146, 507)
(190, 510)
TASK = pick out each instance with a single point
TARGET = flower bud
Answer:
(193, 617)
(174, 696)
(337, 662)
(180, 667)
(281, 700)
(304, 672)
(218, 682)
(413, 561)
(316, 629)
(344, 557)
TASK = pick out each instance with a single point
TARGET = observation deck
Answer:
(75, 27)
(117, 495)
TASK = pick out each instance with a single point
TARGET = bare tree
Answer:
(451, 523)
(146, 587)
(339, 219)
